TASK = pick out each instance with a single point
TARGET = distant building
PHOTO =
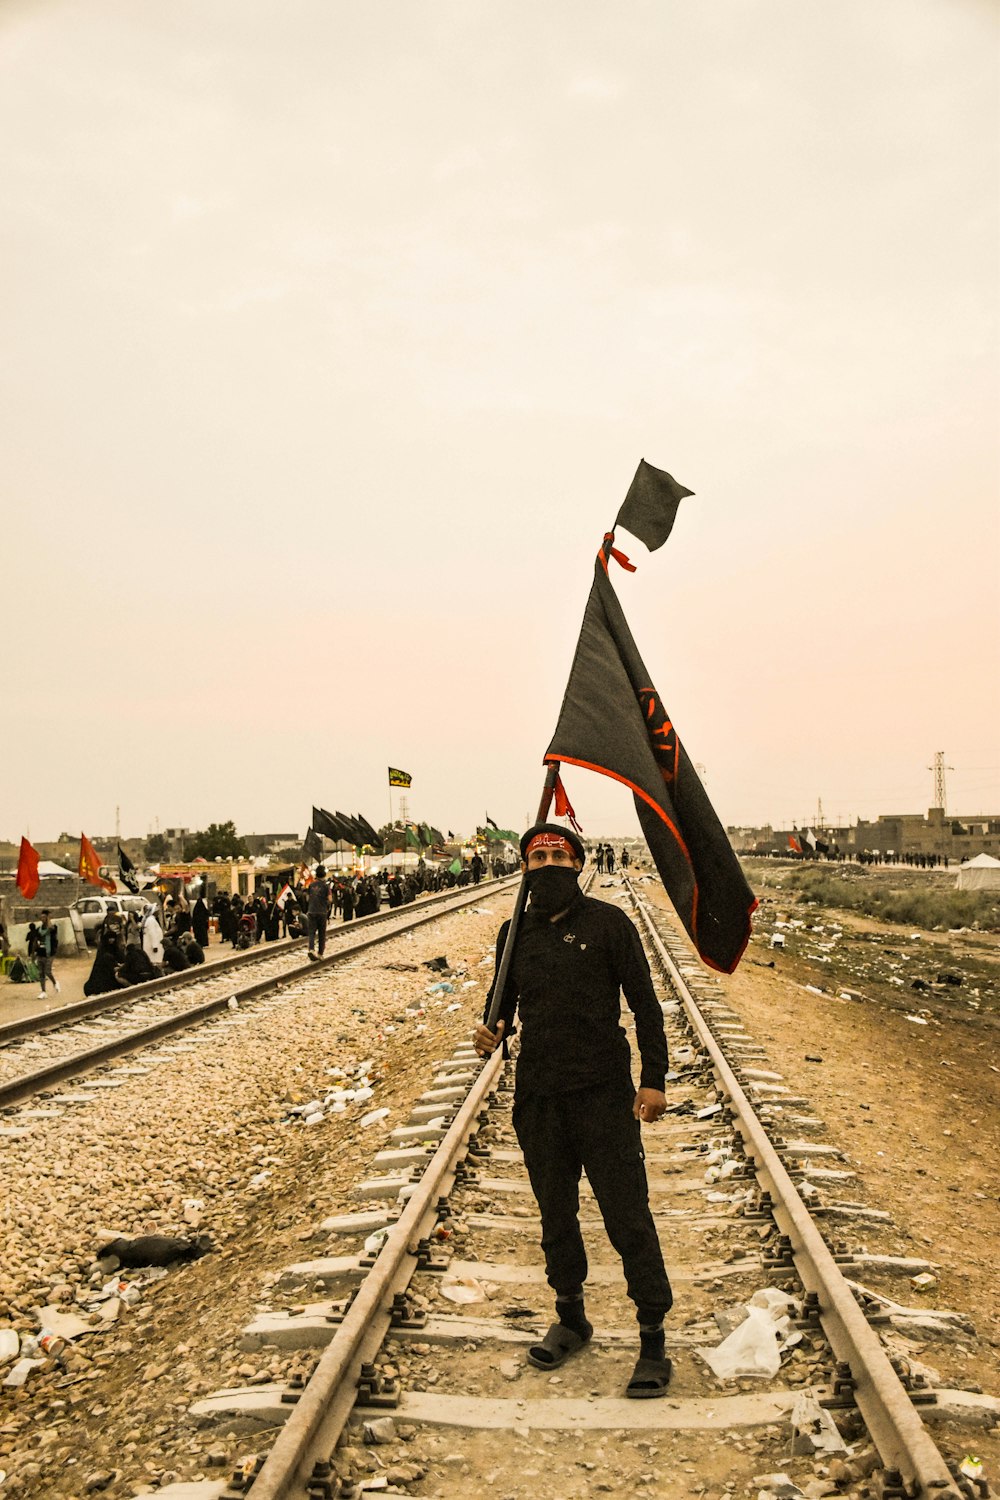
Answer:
(957, 838)
(270, 843)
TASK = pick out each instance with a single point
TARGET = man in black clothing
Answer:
(575, 1107)
(317, 912)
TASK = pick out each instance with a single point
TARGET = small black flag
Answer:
(127, 871)
(491, 823)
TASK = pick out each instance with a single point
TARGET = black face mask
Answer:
(552, 888)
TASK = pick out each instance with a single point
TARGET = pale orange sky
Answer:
(332, 336)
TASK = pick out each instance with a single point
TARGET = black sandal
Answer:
(650, 1378)
(557, 1346)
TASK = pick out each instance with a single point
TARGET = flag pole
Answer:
(503, 968)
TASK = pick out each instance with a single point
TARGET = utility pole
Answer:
(819, 812)
(939, 769)
(118, 823)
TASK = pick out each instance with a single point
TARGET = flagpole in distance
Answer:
(503, 969)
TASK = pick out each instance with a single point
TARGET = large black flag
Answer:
(370, 835)
(613, 721)
(312, 848)
(331, 827)
(126, 870)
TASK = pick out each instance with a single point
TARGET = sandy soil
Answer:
(908, 1085)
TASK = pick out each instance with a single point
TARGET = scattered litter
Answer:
(703, 1114)
(440, 965)
(19, 1373)
(778, 1485)
(380, 1430)
(58, 1324)
(374, 1242)
(971, 1467)
(811, 989)
(373, 1116)
(10, 1344)
(918, 1020)
(811, 1058)
(233, 1003)
(315, 1118)
(258, 1180)
(456, 1005)
(441, 988)
(925, 1282)
(754, 1347)
(777, 940)
(462, 1289)
(814, 1430)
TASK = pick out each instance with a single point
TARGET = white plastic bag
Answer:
(751, 1349)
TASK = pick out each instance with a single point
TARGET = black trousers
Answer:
(592, 1130)
(316, 924)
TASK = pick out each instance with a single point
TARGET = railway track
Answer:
(417, 1326)
(43, 1051)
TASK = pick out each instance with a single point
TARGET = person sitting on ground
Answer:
(106, 972)
(191, 948)
(173, 955)
(138, 967)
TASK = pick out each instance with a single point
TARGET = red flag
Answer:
(27, 871)
(90, 866)
(793, 843)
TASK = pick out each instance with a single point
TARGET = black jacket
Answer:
(565, 985)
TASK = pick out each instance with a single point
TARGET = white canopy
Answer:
(979, 874)
(48, 869)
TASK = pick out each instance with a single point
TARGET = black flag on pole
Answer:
(312, 848)
(331, 827)
(126, 870)
(613, 721)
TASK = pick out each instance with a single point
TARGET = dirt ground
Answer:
(907, 1082)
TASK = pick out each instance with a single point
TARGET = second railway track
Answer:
(43, 1051)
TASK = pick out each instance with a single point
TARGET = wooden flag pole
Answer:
(503, 969)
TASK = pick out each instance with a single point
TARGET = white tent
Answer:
(49, 870)
(979, 874)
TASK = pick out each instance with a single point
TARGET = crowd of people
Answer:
(173, 935)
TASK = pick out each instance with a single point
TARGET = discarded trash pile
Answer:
(862, 965)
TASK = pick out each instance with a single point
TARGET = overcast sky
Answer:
(332, 335)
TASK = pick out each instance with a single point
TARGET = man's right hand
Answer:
(486, 1041)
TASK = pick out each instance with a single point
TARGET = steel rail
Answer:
(319, 1415)
(896, 1428)
(82, 1010)
(29, 1084)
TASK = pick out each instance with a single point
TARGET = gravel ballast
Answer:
(206, 1142)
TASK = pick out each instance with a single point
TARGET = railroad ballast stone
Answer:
(201, 1123)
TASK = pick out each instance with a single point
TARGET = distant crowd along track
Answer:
(453, 1179)
(42, 1051)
